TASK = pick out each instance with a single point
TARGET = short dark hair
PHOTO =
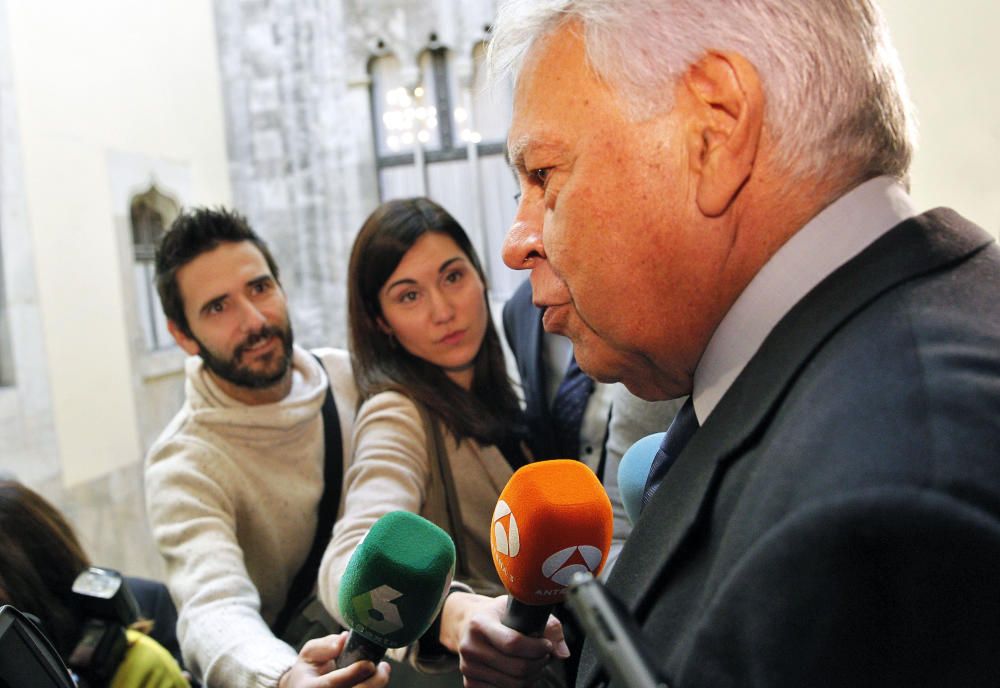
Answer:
(490, 413)
(194, 232)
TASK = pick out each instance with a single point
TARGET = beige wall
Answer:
(948, 51)
(93, 81)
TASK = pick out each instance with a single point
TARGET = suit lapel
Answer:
(523, 327)
(918, 246)
(537, 381)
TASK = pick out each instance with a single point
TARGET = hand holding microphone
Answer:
(394, 585)
(312, 668)
(553, 519)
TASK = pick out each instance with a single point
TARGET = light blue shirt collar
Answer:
(838, 233)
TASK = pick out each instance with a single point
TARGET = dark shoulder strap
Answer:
(333, 476)
(602, 463)
(437, 454)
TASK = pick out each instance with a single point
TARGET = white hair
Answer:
(836, 104)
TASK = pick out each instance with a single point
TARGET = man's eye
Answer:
(541, 175)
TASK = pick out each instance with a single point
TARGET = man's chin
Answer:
(643, 388)
(600, 360)
(264, 373)
(592, 365)
(262, 376)
(604, 364)
(555, 320)
(263, 379)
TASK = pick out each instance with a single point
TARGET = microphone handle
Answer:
(528, 619)
(612, 633)
(358, 648)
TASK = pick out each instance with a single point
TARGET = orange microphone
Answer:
(552, 520)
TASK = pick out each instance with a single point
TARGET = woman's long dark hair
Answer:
(41, 559)
(489, 412)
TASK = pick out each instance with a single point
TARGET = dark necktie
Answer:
(684, 425)
(567, 410)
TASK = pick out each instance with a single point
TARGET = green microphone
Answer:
(394, 586)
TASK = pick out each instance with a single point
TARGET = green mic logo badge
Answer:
(377, 611)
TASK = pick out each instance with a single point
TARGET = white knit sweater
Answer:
(231, 493)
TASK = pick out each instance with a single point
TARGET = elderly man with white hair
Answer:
(714, 203)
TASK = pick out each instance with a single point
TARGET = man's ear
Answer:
(188, 344)
(725, 102)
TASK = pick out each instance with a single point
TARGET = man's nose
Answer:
(251, 319)
(522, 246)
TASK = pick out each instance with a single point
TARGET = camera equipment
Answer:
(615, 636)
(108, 608)
(27, 658)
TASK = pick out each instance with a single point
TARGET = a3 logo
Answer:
(508, 540)
(558, 567)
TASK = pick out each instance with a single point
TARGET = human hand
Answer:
(490, 654)
(316, 668)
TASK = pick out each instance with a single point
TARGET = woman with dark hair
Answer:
(464, 383)
(438, 409)
(42, 557)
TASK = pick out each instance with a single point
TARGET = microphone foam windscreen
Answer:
(552, 520)
(397, 579)
(633, 470)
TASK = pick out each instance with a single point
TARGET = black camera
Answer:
(108, 609)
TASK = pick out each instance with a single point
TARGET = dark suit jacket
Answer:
(522, 323)
(156, 605)
(836, 522)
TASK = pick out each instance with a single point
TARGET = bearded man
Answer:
(235, 483)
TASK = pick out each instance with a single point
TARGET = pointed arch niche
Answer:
(150, 214)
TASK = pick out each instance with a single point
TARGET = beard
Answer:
(232, 369)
